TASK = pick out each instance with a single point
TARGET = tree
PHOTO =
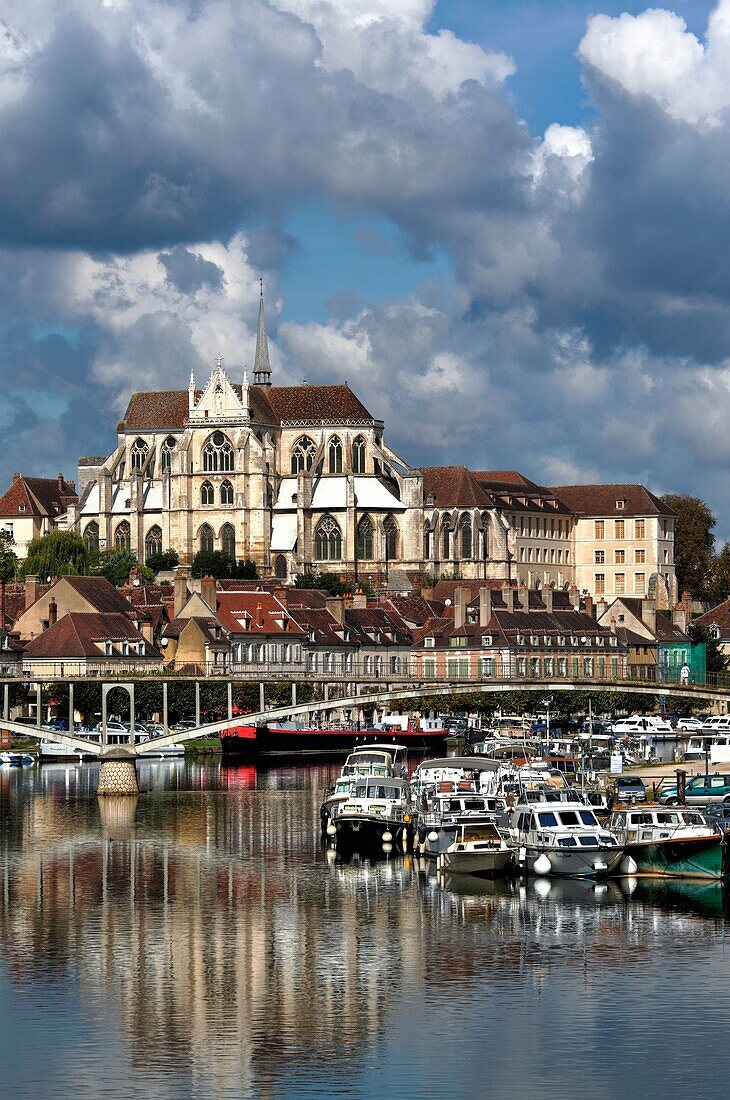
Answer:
(694, 543)
(327, 581)
(57, 554)
(719, 587)
(212, 563)
(716, 659)
(8, 569)
(167, 559)
(116, 566)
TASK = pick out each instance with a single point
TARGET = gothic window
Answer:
(485, 536)
(328, 543)
(207, 493)
(445, 540)
(358, 456)
(226, 493)
(123, 536)
(466, 539)
(428, 544)
(91, 537)
(138, 454)
(206, 539)
(217, 454)
(334, 454)
(302, 455)
(280, 569)
(365, 539)
(153, 542)
(390, 527)
(228, 541)
(166, 454)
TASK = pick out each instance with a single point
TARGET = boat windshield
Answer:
(480, 832)
(457, 805)
(577, 817)
(364, 768)
(368, 758)
(694, 819)
(377, 790)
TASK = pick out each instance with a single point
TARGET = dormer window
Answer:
(620, 505)
(108, 650)
(21, 507)
(141, 649)
(573, 640)
(486, 639)
(547, 640)
(520, 639)
(429, 643)
(534, 640)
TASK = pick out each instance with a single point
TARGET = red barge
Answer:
(288, 738)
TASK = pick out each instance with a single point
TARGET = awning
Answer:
(283, 532)
(371, 493)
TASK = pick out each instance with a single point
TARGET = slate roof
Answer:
(168, 409)
(37, 496)
(366, 623)
(453, 487)
(76, 634)
(600, 500)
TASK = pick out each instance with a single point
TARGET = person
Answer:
(684, 673)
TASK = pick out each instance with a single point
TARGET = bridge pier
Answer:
(118, 773)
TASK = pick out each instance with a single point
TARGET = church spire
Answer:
(261, 365)
(191, 392)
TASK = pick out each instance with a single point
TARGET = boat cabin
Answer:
(654, 822)
(565, 825)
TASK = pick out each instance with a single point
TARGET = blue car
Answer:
(700, 790)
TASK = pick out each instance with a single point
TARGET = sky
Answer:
(503, 222)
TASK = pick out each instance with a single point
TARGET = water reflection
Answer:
(204, 942)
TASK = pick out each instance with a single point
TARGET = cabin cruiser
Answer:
(373, 760)
(715, 748)
(477, 848)
(669, 841)
(459, 829)
(17, 759)
(563, 838)
(377, 813)
(469, 773)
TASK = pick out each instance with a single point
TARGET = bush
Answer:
(57, 554)
(116, 566)
(327, 581)
(168, 559)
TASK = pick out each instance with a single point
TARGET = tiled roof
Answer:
(320, 624)
(600, 500)
(513, 478)
(718, 616)
(367, 623)
(102, 595)
(37, 496)
(413, 609)
(169, 408)
(254, 613)
(76, 634)
(453, 487)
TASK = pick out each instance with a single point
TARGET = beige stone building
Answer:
(34, 506)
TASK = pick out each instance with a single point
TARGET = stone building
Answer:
(34, 506)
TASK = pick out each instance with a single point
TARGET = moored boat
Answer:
(371, 760)
(478, 848)
(672, 842)
(376, 814)
(563, 838)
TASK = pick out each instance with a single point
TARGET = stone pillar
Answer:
(118, 773)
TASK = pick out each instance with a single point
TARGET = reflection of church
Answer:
(294, 477)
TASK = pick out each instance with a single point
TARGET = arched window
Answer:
(226, 493)
(302, 455)
(138, 454)
(428, 544)
(280, 567)
(328, 542)
(207, 493)
(228, 541)
(166, 454)
(91, 536)
(153, 542)
(206, 539)
(123, 536)
(485, 536)
(334, 455)
(358, 455)
(390, 526)
(217, 454)
(446, 540)
(365, 539)
(466, 539)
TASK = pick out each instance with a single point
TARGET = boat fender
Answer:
(628, 865)
(433, 836)
(542, 865)
(331, 829)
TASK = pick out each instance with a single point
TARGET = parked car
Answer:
(629, 788)
(112, 726)
(718, 813)
(689, 724)
(700, 790)
(640, 723)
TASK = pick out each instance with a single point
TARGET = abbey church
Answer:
(301, 478)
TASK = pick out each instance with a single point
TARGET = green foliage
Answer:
(719, 585)
(168, 559)
(8, 557)
(57, 554)
(694, 543)
(214, 563)
(326, 581)
(716, 659)
(116, 566)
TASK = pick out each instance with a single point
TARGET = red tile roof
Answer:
(718, 616)
(316, 403)
(37, 496)
(102, 595)
(505, 477)
(77, 634)
(261, 612)
(453, 487)
(600, 500)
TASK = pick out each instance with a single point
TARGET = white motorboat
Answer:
(377, 814)
(16, 759)
(478, 848)
(563, 838)
(674, 842)
(715, 748)
(368, 760)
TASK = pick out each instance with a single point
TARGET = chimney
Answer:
(135, 576)
(181, 590)
(147, 631)
(359, 600)
(679, 618)
(260, 619)
(209, 593)
(573, 596)
(601, 608)
(547, 598)
(588, 608)
(31, 590)
(336, 607)
(648, 614)
(485, 606)
(60, 482)
(427, 593)
(524, 597)
(52, 612)
(459, 607)
(508, 595)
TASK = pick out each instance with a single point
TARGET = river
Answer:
(200, 942)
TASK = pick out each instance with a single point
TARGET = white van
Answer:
(716, 723)
(640, 723)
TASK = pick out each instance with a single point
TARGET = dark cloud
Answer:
(188, 271)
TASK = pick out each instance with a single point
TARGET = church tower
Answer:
(262, 366)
